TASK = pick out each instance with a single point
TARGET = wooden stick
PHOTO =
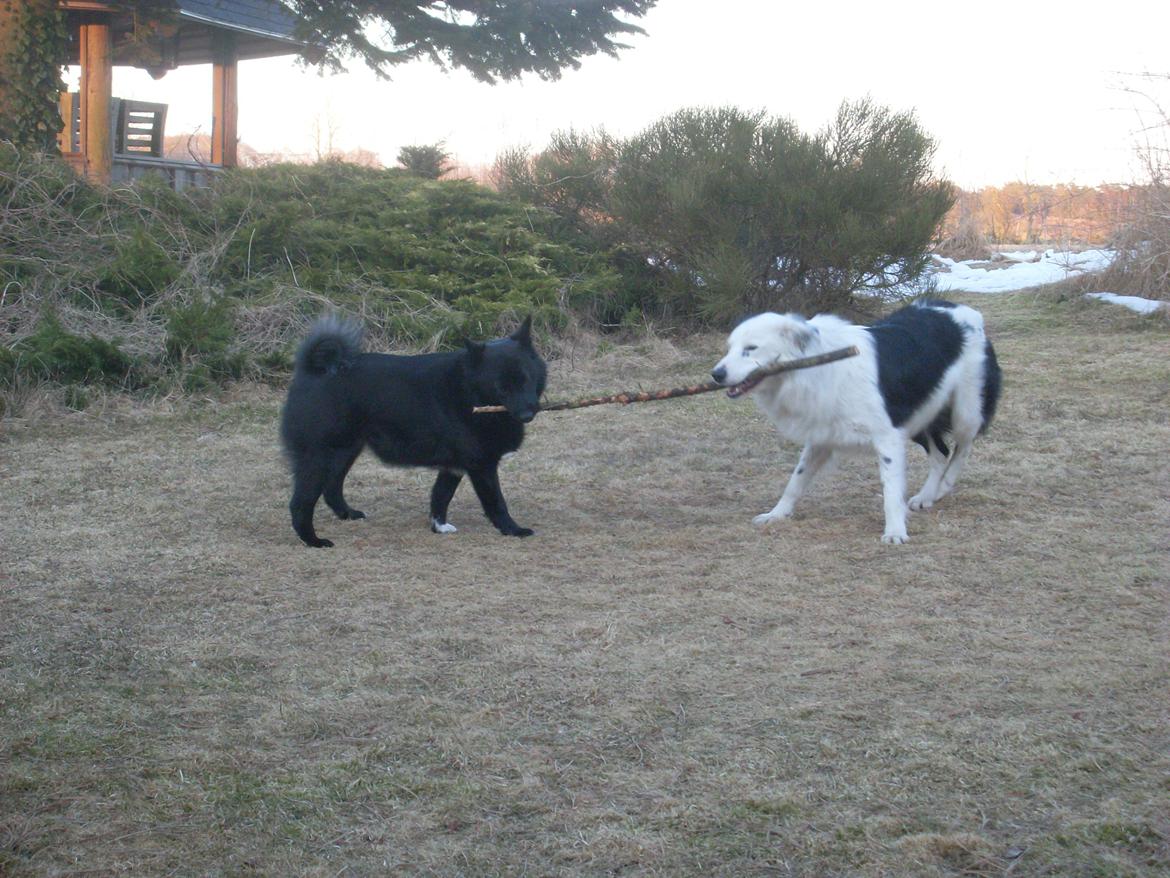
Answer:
(650, 395)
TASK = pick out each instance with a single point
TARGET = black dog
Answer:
(410, 411)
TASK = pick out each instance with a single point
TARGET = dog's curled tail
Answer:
(332, 346)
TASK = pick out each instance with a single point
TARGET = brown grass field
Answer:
(650, 686)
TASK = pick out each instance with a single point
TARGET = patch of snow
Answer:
(1086, 260)
(1021, 256)
(1050, 267)
(1133, 303)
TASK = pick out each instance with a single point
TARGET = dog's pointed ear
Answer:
(523, 335)
(475, 350)
(800, 331)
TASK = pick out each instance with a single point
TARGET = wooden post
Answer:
(97, 88)
(225, 108)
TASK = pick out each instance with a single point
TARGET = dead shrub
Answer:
(1142, 266)
(969, 240)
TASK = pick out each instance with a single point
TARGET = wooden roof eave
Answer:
(196, 40)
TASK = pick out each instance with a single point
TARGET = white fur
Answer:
(838, 407)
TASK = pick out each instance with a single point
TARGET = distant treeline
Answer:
(1028, 213)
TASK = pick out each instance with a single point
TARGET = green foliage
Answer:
(739, 212)
(200, 335)
(141, 268)
(55, 354)
(32, 50)
(430, 259)
(198, 329)
(431, 161)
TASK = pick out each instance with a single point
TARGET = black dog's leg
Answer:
(487, 487)
(441, 494)
(338, 468)
(308, 482)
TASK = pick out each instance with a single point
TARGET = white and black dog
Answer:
(925, 372)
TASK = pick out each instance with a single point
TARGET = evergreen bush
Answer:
(431, 161)
(141, 268)
(739, 212)
(429, 258)
(53, 353)
(201, 335)
(209, 285)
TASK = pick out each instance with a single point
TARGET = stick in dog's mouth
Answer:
(744, 386)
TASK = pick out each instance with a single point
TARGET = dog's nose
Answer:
(719, 374)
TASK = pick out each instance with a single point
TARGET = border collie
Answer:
(410, 411)
(926, 372)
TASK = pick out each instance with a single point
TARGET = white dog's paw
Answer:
(894, 539)
(920, 502)
(767, 517)
(443, 527)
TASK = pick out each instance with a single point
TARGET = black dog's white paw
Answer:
(442, 527)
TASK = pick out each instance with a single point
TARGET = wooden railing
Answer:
(179, 174)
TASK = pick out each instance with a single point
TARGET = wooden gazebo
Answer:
(109, 140)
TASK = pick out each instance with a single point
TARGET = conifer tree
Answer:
(429, 160)
(492, 39)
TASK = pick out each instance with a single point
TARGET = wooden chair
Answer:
(136, 126)
(139, 128)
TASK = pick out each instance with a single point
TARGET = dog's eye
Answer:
(748, 349)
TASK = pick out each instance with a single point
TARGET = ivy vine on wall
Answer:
(31, 53)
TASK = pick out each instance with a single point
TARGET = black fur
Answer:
(992, 381)
(915, 346)
(410, 411)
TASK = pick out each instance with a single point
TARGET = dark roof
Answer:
(263, 28)
(259, 17)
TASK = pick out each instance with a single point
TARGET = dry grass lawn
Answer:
(650, 686)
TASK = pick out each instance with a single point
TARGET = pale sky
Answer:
(1010, 91)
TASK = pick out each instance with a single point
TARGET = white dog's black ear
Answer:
(800, 331)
